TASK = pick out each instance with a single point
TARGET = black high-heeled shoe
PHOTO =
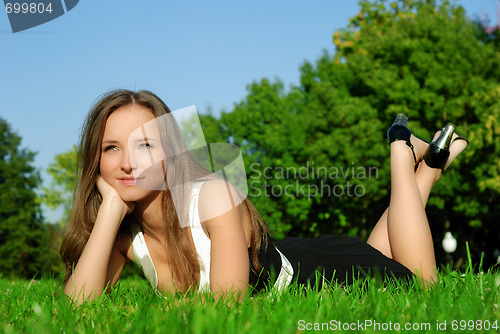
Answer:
(438, 151)
(399, 131)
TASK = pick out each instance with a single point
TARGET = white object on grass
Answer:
(449, 243)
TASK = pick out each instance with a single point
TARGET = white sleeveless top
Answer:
(142, 257)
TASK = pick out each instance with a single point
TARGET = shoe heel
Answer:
(401, 119)
(439, 150)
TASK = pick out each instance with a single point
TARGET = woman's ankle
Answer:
(401, 155)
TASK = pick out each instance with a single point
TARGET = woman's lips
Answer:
(128, 182)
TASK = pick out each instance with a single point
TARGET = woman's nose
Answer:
(127, 164)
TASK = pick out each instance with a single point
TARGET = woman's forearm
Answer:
(89, 276)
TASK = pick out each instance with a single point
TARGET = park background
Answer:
(293, 84)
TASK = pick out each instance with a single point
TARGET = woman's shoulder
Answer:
(212, 186)
(217, 197)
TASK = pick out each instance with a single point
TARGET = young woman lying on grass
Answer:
(142, 196)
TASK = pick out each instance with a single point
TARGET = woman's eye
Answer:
(145, 145)
(110, 147)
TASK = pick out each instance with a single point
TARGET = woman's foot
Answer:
(419, 146)
(400, 132)
(457, 146)
(418, 150)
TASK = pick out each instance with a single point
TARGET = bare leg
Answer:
(379, 237)
(410, 243)
(409, 232)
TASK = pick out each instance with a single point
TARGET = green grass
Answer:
(41, 307)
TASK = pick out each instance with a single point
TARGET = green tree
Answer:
(429, 62)
(424, 59)
(63, 174)
(24, 238)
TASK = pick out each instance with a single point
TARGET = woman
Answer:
(190, 230)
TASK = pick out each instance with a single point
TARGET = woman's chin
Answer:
(137, 195)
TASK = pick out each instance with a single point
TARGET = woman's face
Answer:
(132, 154)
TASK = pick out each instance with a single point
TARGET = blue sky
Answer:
(188, 52)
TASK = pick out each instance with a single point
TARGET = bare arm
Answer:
(229, 263)
(100, 262)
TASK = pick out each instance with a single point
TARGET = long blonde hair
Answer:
(181, 255)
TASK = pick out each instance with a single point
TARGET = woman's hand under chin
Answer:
(109, 193)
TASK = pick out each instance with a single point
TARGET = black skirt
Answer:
(338, 258)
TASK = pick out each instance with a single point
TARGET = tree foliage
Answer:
(420, 58)
(24, 238)
(429, 62)
(60, 191)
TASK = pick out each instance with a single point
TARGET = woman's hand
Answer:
(109, 193)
